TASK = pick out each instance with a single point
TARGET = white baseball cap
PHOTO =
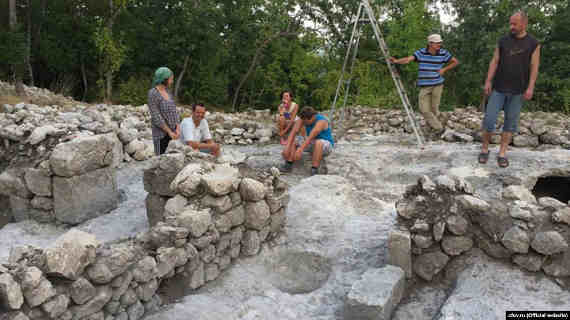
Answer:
(434, 38)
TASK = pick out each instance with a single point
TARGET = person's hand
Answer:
(442, 72)
(298, 154)
(488, 87)
(173, 135)
(528, 94)
(392, 60)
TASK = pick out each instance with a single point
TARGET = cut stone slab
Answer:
(84, 197)
(377, 294)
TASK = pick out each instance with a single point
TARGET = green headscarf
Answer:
(160, 75)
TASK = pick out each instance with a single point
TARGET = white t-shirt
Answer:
(189, 132)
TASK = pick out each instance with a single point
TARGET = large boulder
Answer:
(12, 184)
(81, 155)
(84, 197)
(223, 180)
(38, 182)
(430, 264)
(400, 250)
(549, 243)
(71, 254)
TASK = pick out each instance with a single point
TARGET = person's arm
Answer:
(452, 64)
(404, 60)
(492, 70)
(534, 63)
(320, 126)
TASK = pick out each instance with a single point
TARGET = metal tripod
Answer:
(353, 44)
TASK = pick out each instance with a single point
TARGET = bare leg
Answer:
(505, 140)
(289, 150)
(486, 139)
(317, 153)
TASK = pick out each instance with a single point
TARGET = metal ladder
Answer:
(354, 42)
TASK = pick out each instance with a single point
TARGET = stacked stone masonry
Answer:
(441, 219)
(208, 215)
(76, 183)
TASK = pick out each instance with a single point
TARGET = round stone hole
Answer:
(554, 187)
(299, 272)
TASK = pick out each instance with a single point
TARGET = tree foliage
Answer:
(244, 53)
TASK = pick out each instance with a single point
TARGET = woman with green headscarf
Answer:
(163, 114)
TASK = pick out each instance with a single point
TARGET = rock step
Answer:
(376, 294)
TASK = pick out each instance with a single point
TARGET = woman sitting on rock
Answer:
(287, 115)
(164, 116)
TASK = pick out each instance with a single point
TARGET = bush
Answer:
(134, 91)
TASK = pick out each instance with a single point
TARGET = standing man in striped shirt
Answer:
(434, 62)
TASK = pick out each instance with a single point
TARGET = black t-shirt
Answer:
(513, 71)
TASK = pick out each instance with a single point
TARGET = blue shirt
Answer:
(428, 74)
(325, 134)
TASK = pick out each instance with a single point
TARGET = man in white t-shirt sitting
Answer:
(196, 133)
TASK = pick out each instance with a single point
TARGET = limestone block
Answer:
(551, 203)
(113, 263)
(70, 254)
(219, 204)
(455, 246)
(56, 306)
(187, 181)
(81, 155)
(562, 215)
(197, 277)
(376, 294)
(256, 214)
(223, 180)
(196, 221)
(11, 296)
(515, 192)
(104, 294)
(122, 284)
(438, 231)
(236, 215)
(429, 264)
(277, 221)
(250, 243)
(277, 201)
(84, 197)
(15, 315)
(457, 225)
(400, 250)
(116, 150)
(251, 190)
(516, 240)
(22, 209)
(146, 290)
(549, 243)
(155, 208)
(212, 271)
(422, 241)
(41, 292)
(525, 141)
(472, 203)
(81, 291)
(127, 135)
(145, 270)
(38, 182)
(531, 262)
(12, 184)
(135, 311)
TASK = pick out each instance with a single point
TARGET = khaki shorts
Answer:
(327, 146)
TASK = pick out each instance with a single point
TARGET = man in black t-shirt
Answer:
(510, 80)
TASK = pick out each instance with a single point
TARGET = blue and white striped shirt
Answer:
(428, 74)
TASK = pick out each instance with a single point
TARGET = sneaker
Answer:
(314, 171)
(286, 167)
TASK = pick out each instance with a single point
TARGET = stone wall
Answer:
(442, 219)
(76, 183)
(214, 214)
(462, 125)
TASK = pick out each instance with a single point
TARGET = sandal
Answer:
(483, 157)
(503, 162)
